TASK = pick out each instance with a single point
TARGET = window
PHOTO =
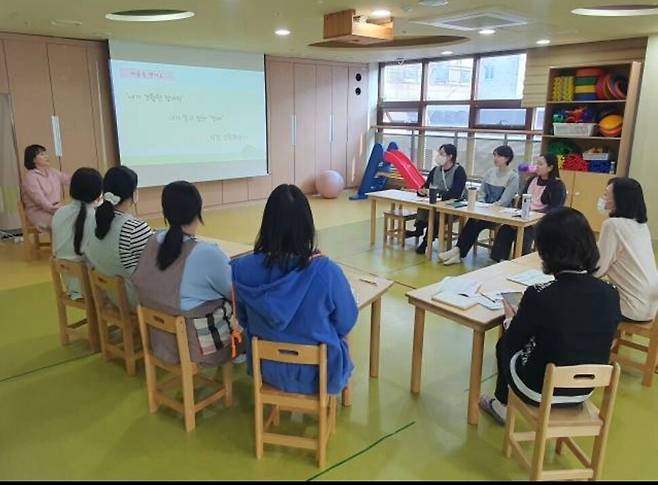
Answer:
(402, 82)
(406, 140)
(450, 80)
(502, 78)
(510, 118)
(449, 115)
(395, 117)
(434, 140)
(538, 119)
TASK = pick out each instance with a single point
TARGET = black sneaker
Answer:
(422, 247)
(415, 233)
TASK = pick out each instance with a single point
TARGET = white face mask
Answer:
(600, 206)
(440, 160)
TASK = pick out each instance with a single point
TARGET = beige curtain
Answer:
(9, 181)
(540, 60)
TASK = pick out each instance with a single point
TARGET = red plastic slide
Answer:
(406, 168)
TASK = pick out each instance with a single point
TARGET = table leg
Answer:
(450, 221)
(373, 220)
(442, 232)
(476, 377)
(430, 231)
(347, 392)
(518, 245)
(375, 331)
(417, 354)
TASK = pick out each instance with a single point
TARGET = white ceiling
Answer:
(248, 25)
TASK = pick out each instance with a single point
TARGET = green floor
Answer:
(67, 414)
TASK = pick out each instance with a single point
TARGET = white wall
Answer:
(373, 93)
(644, 161)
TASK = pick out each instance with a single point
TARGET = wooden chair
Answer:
(321, 404)
(185, 373)
(395, 224)
(564, 423)
(77, 270)
(31, 235)
(625, 333)
(488, 243)
(116, 316)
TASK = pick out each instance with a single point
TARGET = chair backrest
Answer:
(102, 286)
(290, 354)
(72, 269)
(173, 324)
(25, 224)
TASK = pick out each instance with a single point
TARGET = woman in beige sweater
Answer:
(627, 257)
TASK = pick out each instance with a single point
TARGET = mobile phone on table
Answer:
(512, 298)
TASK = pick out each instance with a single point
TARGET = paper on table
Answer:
(495, 295)
(510, 210)
(482, 204)
(461, 286)
(487, 303)
(531, 277)
(454, 299)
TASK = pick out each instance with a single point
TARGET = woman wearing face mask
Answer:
(74, 223)
(627, 257)
(548, 193)
(449, 178)
(499, 185)
(119, 238)
(41, 188)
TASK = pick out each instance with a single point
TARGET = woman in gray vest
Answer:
(449, 178)
(119, 238)
(182, 276)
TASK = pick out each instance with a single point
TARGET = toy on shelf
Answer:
(562, 147)
(611, 125)
(563, 88)
(575, 162)
(585, 84)
(599, 166)
(612, 86)
(581, 114)
(560, 161)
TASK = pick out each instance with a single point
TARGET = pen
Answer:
(368, 280)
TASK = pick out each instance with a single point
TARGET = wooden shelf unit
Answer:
(584, 188)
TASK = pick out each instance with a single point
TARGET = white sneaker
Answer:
(453, 260)
(449, 254)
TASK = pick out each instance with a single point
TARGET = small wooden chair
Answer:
(321, 404)
(564, 423)
(488, 243)
(625, 332)
(185, 371)
(31, 235)
(395, 224)
(111, 315)
(77, 270)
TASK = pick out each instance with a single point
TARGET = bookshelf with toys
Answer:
(588, 124)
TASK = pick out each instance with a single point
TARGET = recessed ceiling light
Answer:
(161, 15)
(75, 23)
(433, 3)
(447, 53)
(380, 13)
(487, 32)
(543, 42)
(282, 32)
(618, 10)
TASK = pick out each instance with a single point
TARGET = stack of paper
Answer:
(531, 277)
(459, 292)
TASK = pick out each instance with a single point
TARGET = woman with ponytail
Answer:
(73, 224)
(119, 238)
(181, 275)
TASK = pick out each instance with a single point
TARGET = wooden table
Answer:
(401, 198)
(230, 248)
(368, 294)
(477, 318)
(529, 261)
(487, 213)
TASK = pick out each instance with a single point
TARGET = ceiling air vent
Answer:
(474, 20)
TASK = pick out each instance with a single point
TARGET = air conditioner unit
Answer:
(345, 26)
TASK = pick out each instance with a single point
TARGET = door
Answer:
(568, 177)
(324, 125)
(304, 126)
(69, 74)
(339, 119)
(280, 117)
(357, 124)
(588, 187)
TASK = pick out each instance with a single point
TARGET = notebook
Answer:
(458, 292)
(455, 299)
(531, 277)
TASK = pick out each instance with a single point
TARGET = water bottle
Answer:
(525, 206)
(613, 167)
(433, 193)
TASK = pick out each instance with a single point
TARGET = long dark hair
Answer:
(287, 232)
(181, 205)
(629, 199)
(565, 241)
(86, 187)
(551, 161)
(122, 182)
(31, 153)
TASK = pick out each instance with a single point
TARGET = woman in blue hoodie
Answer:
(288, 292)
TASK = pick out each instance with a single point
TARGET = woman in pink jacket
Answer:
(42, 187)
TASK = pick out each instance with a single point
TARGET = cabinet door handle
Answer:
(331, 128)
(576, 193)
(57, 135)
(293, 129)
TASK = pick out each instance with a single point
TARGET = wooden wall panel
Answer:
(235, 190)
(323, 117)
(259, 187)
(305, 123)
(357, 124)
(211, 192)
(339, 108)
(29, 83)
(70, 82)
(4, 80)
(281, 106)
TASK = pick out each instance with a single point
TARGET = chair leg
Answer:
(188, 400)
(322, 438)
(277, 416)
(558, 446)
(538, 455)
(149, 370)
(510, 421)
(385, 229)
(258, 424)
(129, 350)
(652, 360)
(63, 323)
(227, 380)
(332, 414)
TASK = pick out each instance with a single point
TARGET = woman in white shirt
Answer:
(627, 257)
(73, 224)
